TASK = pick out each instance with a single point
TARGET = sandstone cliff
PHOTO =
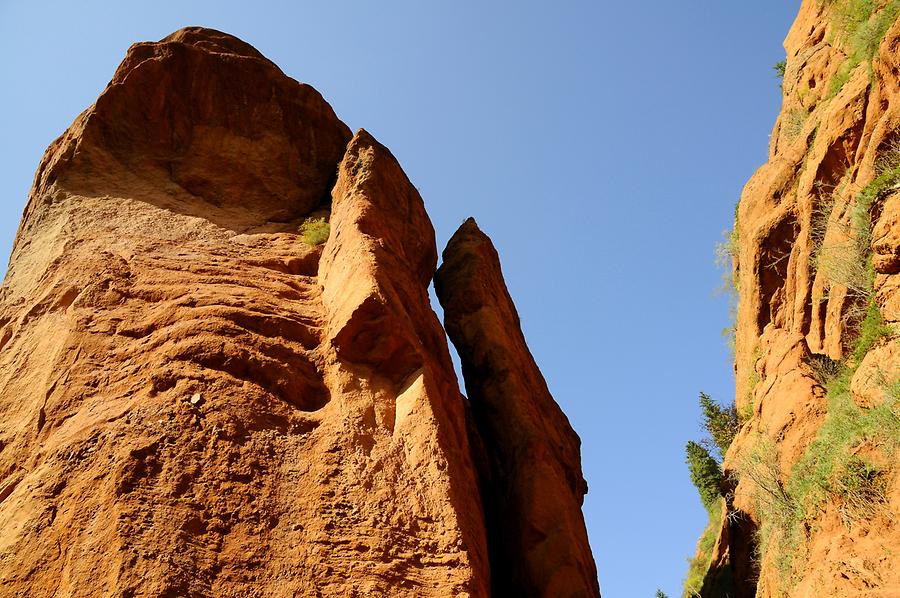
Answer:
(811, 480)
(196, 402)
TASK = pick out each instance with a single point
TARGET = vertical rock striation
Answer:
(813, 490)
(532, 485)
(196, 402)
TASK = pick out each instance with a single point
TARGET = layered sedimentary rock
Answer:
(811, 481)
(196, 402)
(531, 482)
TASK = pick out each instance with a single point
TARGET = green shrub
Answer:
(830, 471)
(315, 231)
(848, 16)
(825, 369)
(847, 264)
(779, 68)
(866, 35)
(706, 475)
(887, 174)
(720, 422)
(752, 377)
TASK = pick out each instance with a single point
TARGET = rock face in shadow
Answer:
(532, 485)
(196, 402)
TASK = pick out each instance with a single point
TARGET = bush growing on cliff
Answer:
(848, 16)
(847, 264)
(794, 121)
(778, 510)
(706, 475)
(887, 172)
(860, 28)
(720, 422)
(315, 231)
(752, 377)
(866, 28)
(844, 261)
(725, 252)
(779, 68)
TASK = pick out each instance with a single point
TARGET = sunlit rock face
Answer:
(815, 246)
(194, 400)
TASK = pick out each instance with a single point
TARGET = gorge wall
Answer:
(197, 402)
(810, 482)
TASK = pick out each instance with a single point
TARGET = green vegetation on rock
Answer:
(859, 27)
(779, 68)
(315, 231)
(834, 469)
(698, 565)
(720, 425)
(720, 422)
(706, 474)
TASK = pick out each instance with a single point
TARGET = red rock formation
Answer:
(194, 401)
(532, 485)
(808, 223)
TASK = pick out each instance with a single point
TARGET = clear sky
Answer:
(602, 145)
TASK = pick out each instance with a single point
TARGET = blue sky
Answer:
(602, 145)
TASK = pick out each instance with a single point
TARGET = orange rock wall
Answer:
(195, 402)
(792, 313)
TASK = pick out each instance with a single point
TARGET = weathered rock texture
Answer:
(532, 484)
(193, 401)
(797, 311)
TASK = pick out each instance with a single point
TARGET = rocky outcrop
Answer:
(195, 402)
(202, 124)
(532, 485)
(812, 485)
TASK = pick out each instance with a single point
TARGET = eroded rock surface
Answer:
(808, 223)
(532, 483)
(194, 401)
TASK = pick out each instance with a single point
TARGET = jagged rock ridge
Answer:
(195, 402)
